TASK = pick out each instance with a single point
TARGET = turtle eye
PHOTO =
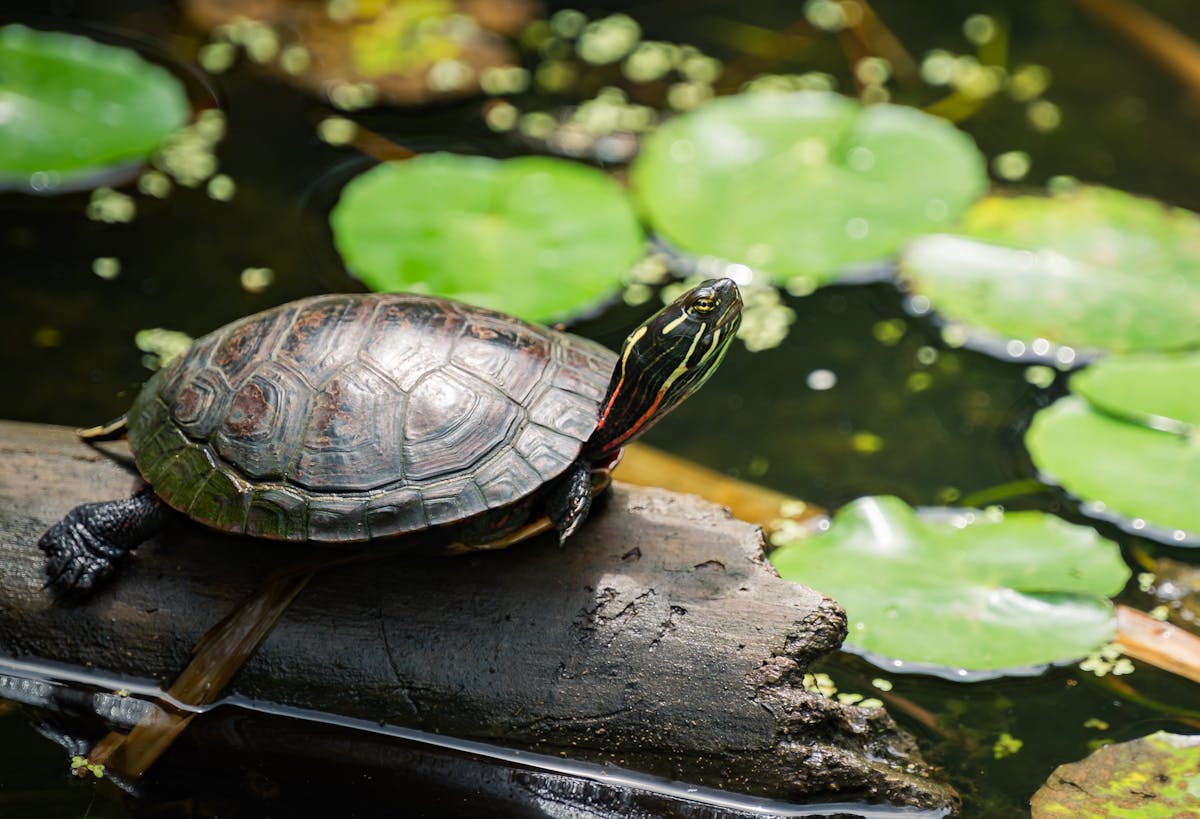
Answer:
(704, 304)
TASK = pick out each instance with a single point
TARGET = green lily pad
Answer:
(1126, 443)
(981, 592)
(540, 238)
(72, 108)
(1093, 268)
(1159, 390)
(1152, 777)
(804, 185)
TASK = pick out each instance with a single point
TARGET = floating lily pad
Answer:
(1093, 268)
(1160, 390)
(1153, 777)
(804, 185)
(72, 109)
(1126, 444)
(978, 591)
(540, 238)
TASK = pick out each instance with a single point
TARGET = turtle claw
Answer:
(77, 560)
(85, 548)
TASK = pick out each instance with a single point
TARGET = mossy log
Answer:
(659, 639)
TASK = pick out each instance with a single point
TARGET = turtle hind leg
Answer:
(84, 548)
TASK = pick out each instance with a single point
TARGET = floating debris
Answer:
(106, 267)
(1043, 116)
(155, 183)
(889, 332)
(1011, 166)
(216, 58)
(608, 39)
(1108, 660)
(161, 346)
(1028, 82)
(337, 130)
(108, 205)
(980, 29)
(821, 683)
(257, 279)
(188, 155)
(221, 188)
(866, 443)
(501, 116)
(766, 320)
(1006, 745)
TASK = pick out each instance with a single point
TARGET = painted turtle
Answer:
(347, 418)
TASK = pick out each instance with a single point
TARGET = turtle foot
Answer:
(84, 548)
(77, 560)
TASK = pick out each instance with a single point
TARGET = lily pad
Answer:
(1126, 443)
(1092, 268)
(540, 238)
(804, 185)
(72, 109)
(1146, 778)
(1160, 390)
(981, 592)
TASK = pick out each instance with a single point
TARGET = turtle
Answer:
(362, 418)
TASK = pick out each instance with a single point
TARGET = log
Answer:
(659, 639)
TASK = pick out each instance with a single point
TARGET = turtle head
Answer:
(666, 360)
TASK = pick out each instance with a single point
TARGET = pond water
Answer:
(69, 358)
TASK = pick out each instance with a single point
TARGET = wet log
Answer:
(658, 640)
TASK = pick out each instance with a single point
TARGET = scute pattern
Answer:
(351, 417)
(403, 340)
(324, 335)
(202, 403)
(261, 432)
(454, 421)
(245, 343)
(493, 349)
(354, 435)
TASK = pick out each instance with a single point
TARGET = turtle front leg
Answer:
(570, 499)
(84, 548)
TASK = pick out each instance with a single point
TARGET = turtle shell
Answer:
(350, 417)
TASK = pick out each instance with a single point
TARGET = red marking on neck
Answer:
(634, 429)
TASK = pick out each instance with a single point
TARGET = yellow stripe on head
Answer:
(673, 324)
(630, 343)
(683, 364)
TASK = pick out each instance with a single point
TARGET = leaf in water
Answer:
(978, 592)
(804, 185)
(1147, 778)
(540, 238)
(359, 54)
(1156, 389)
(72, 108)
(1125, 442)
(1092, 268)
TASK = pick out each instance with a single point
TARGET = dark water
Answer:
(68, 357)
